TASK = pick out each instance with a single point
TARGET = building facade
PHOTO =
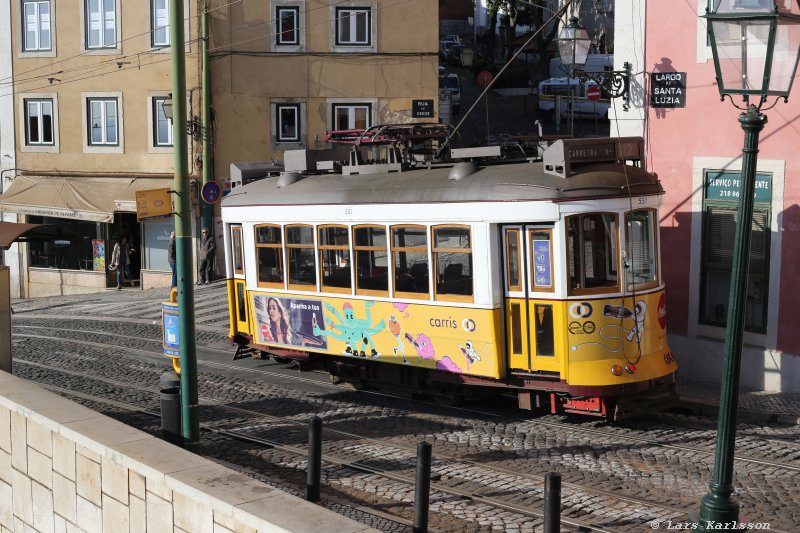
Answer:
(694, 144)
(89, 81)
(286, 71)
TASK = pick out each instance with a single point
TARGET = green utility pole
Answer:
(183, 229)
(205, 116)
(718, 507)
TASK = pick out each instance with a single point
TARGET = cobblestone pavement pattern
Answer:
(609, 459)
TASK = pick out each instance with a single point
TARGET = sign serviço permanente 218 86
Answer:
(668, 89)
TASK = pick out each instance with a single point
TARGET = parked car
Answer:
(452, 84)
(450, 38)
(454, 54)
(581, 106)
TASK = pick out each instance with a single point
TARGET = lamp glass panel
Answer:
(573, 45)
(741, 48)
(784, 58)
(738, 6)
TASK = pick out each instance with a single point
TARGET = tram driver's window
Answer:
(269, 256)
(410, 261)
(592, 246)
(640, 248)
(334, 258)
(452, 257)
(236, 250)
(302, 264)
(372, 260)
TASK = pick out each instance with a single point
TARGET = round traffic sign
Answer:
(210, 192)
(593, 93)
(485, 78)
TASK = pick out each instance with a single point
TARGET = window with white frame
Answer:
(101, 23)
(356, 116)
(159, 22)
(353, 26)
(37, 36)
(287, 20)
(162, 126)
(39, 125)
(288, 126)
(102, 122)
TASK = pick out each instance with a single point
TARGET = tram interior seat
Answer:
(419, 271)
(453, 280)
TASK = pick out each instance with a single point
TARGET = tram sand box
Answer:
(454, 279)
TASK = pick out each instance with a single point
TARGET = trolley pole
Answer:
(205, 117)
(183, 230)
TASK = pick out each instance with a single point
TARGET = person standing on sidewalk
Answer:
(171, 259)
(207, 249)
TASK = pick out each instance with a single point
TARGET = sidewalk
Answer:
(754, 406)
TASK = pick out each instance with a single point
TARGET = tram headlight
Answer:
(630, 368)
(616, 370)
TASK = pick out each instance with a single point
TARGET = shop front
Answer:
(90, 215)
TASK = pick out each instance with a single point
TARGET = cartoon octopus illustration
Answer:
(422, 344)
(352, 330)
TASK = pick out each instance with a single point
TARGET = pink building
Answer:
(696, 152)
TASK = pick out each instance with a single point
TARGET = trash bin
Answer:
(467, 55)
(171, 415)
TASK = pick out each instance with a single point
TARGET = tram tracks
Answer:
(578, 429)
(460, 474)
(403, 474)
(396, 458)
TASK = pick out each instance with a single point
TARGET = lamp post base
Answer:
(717, 507)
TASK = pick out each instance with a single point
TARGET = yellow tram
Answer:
(540, 278)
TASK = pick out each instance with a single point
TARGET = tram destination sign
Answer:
(422, 108)
(668, 90)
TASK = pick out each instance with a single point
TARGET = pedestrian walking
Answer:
(207, 249)
(120, 261)
(171, 259)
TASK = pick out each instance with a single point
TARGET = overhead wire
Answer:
(92, 52)
(116, 60)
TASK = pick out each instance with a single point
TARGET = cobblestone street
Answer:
(623, 477)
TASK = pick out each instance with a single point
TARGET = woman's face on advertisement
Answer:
(274, 312)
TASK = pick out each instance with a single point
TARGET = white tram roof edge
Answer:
(496, 183)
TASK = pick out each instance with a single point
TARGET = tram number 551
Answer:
(641, 200)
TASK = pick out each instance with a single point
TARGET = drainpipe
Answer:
(205, 116)
(182, 204)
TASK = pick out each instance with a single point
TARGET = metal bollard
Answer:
(422, 492)
(171, 415)
(552, 503)
(314, 459)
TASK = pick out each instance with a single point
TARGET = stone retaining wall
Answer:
(64, 467)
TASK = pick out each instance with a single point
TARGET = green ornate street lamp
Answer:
(755, 45)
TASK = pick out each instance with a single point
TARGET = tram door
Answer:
(529, 307)
(240, 294)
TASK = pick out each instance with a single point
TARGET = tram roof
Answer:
(504, 182)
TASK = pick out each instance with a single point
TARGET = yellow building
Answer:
(285, 71)
(89, 80)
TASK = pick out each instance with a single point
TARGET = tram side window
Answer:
(452, 257)
(236, 250)
(334, 258)
(640, 247)
(302, 264)
(269, 256)
(592, 252)
(372, 260)
(410, 260)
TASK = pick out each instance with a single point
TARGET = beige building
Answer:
(89, 81)
(285, 71)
